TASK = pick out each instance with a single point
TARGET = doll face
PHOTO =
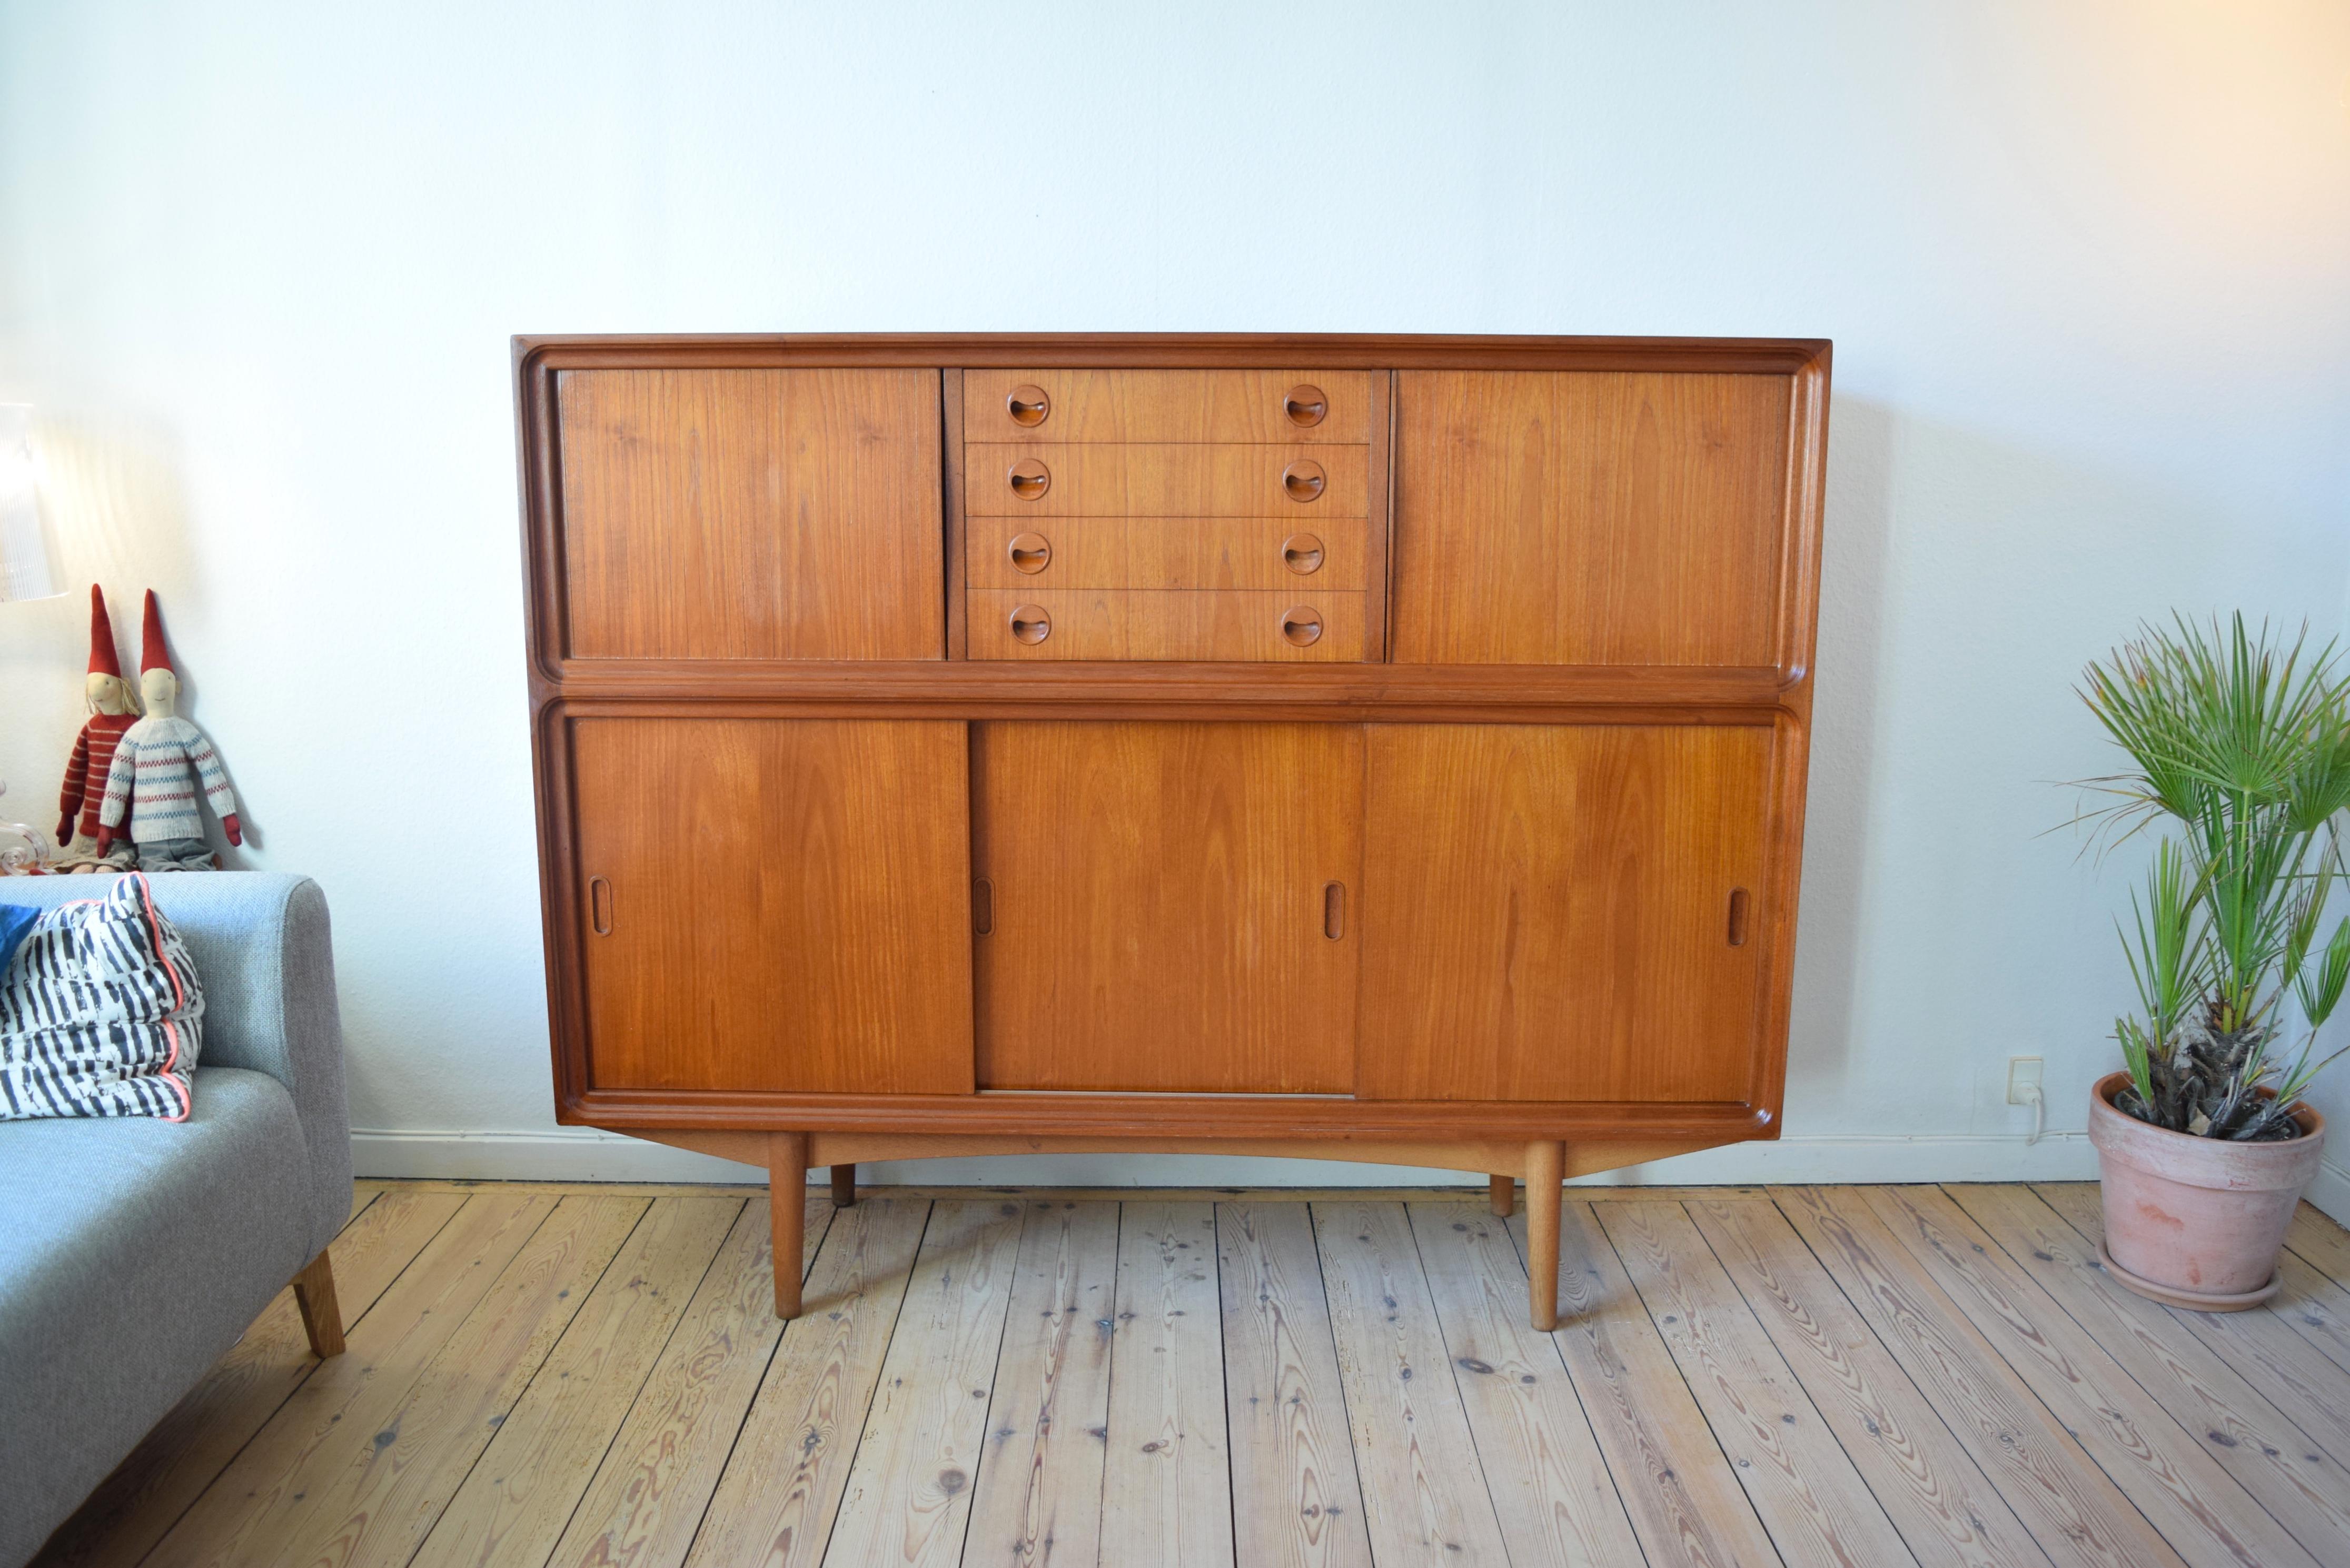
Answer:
(109, 694)
(162, 689)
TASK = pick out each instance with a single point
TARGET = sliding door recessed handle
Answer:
(1738, 917)
(599, 906)
(1333, 910)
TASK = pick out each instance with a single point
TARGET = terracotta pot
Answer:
(2196, 1221)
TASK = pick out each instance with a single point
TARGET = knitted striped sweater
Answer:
(85, 770)
(154, 777)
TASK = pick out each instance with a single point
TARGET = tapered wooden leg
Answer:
(322, 1316)
(844, 1186)
(1545, 1171)
(1505, 1194)
(788, 1199)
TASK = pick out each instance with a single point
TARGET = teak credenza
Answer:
(1368, 748)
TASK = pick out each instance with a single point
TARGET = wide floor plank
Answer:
(1167, 1497)
(382, 1502)
(1802, 1484)
(132, 1510)
(2317, 1308)
(2300, 1485)
(780, 1491)
(1555, 1500)
(246, 1516)
(1295, 1499)
(1938, 1498)
(2309, 1388)
(1424, 1494)
(649, 1493)
(1038, 1499)
(1682, 1496)
(2322, 1243)
(908, 1499)
(2200, 1509)
(2072, 1507)
(513, 1508)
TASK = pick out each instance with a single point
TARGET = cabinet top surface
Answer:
(1340, 350)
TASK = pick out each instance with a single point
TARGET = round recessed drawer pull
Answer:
(1301, 553)
(1028, 405)
(1031, 552)
(1031, 625)
(1302, 627)
(1304, 406)
(1030, 478)
(1303, 480)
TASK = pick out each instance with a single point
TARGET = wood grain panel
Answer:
(1590, 517)
(751, 513)
(1546, 912)
(1143, 405)
(1123, 624)
(1295, 1499)
(1160, 902)
(1163, 479)
(1170, 553)
(787, 901)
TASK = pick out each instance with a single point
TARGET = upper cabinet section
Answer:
(1596, 517)
(1331, 408)
(750, 514)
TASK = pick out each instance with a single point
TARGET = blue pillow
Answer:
(16, 925)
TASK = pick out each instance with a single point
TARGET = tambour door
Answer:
(1591, 517)
(774, 904)
(751, 513)
(1564, 912)
(1167, 907)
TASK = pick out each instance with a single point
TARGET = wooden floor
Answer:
(577, 1375)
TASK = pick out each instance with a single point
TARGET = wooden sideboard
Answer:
(1366, 748)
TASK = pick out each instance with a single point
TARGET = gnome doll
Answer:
(113, 709)
(156, 768)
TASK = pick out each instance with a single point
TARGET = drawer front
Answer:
(1277, 554)
(1318, 407)
(1165, 479)
(1129, 623)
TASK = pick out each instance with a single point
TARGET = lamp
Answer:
(26, 572)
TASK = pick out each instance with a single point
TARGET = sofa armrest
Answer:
(260, 943)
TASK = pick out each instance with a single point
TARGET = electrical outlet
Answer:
(2022, 1080)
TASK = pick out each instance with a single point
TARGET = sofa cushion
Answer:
(100, 1013)
(133, 1252)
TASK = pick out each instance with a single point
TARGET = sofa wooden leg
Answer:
(844, 1186)
(787, 1198)
(1505, 1189)
(322, 1316)
(1545, 1171)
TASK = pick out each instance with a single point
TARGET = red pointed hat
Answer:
(152, 654)
(103, 660)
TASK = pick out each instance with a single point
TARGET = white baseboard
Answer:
(581, 1154)
(2330, 1191)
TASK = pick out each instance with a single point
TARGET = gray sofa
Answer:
(134, 1252)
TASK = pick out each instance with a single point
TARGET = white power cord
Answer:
(2029, 1095)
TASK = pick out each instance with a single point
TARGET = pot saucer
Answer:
(2194, 1301)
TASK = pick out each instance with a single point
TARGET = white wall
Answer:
(2086, 267)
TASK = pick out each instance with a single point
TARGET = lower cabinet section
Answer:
(775, 904)
(1407, 912)
(1567, 912)
(1170, 906)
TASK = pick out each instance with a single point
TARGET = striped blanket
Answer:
(100, 1013)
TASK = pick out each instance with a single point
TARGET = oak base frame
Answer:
(1544, 1163)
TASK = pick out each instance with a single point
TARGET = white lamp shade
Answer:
(26, 570)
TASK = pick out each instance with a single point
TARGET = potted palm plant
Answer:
(2239, 748)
